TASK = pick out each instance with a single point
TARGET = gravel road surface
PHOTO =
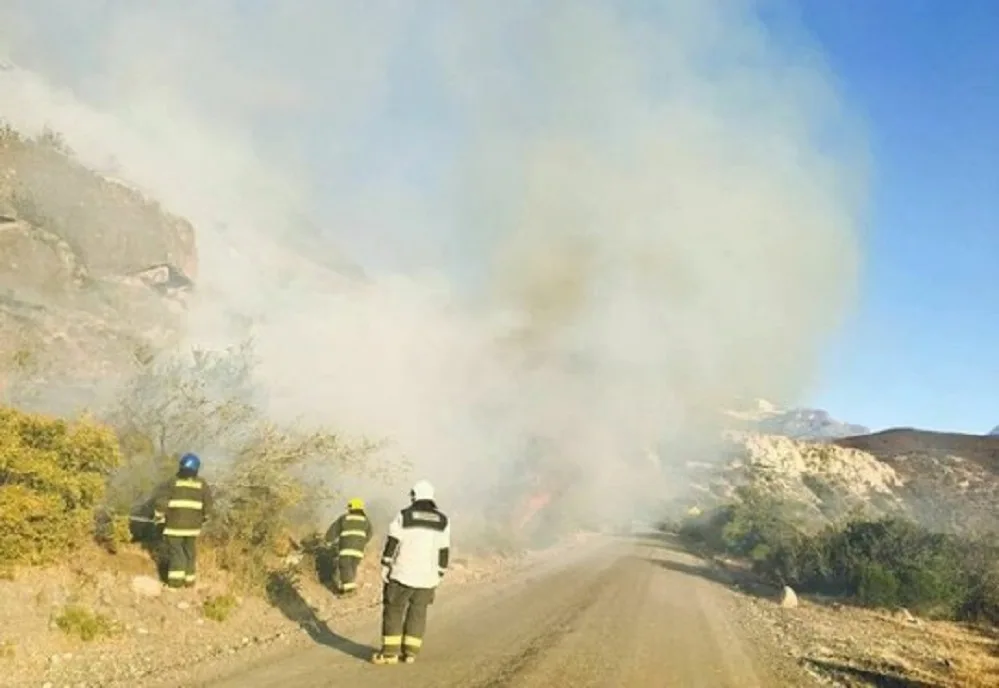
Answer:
(618, 613)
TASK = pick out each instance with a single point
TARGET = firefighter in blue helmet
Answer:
(183, 504)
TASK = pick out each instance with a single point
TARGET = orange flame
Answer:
(532, 507)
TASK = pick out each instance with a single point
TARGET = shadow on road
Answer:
(873, 678)
(745, 582)
(282, 593)
(671, 546)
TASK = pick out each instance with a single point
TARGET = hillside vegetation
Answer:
(900, 518)
(53, 476)
(79, 481)
(883, 562)
(92, 292)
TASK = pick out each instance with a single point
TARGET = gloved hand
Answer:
(159, 517)
(386, 571)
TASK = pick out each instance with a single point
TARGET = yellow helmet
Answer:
(355, 504)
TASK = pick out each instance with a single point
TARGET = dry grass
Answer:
(869, 648)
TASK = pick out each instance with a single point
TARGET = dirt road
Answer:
(621, 613)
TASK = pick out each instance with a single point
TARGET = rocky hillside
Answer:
(91, 269)
(950, 480)
(944, 481)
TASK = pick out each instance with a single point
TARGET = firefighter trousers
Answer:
(181, 560)
(404, 618)
(347, 568)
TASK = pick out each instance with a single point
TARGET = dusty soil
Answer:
(849, 646)
(596, 611)
(857, 647)
(158, 634)
(615, 612)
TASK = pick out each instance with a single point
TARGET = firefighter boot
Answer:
(383, 659)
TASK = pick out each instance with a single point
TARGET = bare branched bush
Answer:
(270, 480)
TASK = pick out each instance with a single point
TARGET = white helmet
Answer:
(422, 490)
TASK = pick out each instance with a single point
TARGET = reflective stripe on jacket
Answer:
(186, 502)
(350, 534)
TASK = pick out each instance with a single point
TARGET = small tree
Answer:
(759, 524)
(177, 404)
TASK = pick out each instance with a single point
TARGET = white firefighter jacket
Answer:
(418, 546)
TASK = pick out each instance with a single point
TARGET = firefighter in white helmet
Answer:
(414, 561)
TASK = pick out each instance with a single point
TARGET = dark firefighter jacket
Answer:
(350, 534)
(185, 501)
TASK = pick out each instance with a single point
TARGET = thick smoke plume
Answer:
(585, 226)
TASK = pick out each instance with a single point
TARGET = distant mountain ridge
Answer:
(806, 423)
(994, 431)
(799, 423)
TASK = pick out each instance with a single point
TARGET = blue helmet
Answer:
(190, 462)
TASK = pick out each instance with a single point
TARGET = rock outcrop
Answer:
(946, 482)
(112, 228)
(951, 480)
(827, 481)
(91, 269)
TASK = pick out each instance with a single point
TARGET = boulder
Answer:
(146, 586)
(788, 598)
(36, 259)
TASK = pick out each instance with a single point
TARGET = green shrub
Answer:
(981, 565)
(927, 567)
(882, 563)
(220, 607)
(112, 530)
(86, 625)
(877, 586)
(53, 475)
(758, 527)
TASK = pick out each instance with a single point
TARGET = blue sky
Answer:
(922, 348)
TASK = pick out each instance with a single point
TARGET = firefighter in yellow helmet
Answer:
(348, 536)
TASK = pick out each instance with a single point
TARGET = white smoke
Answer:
(593, 222)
